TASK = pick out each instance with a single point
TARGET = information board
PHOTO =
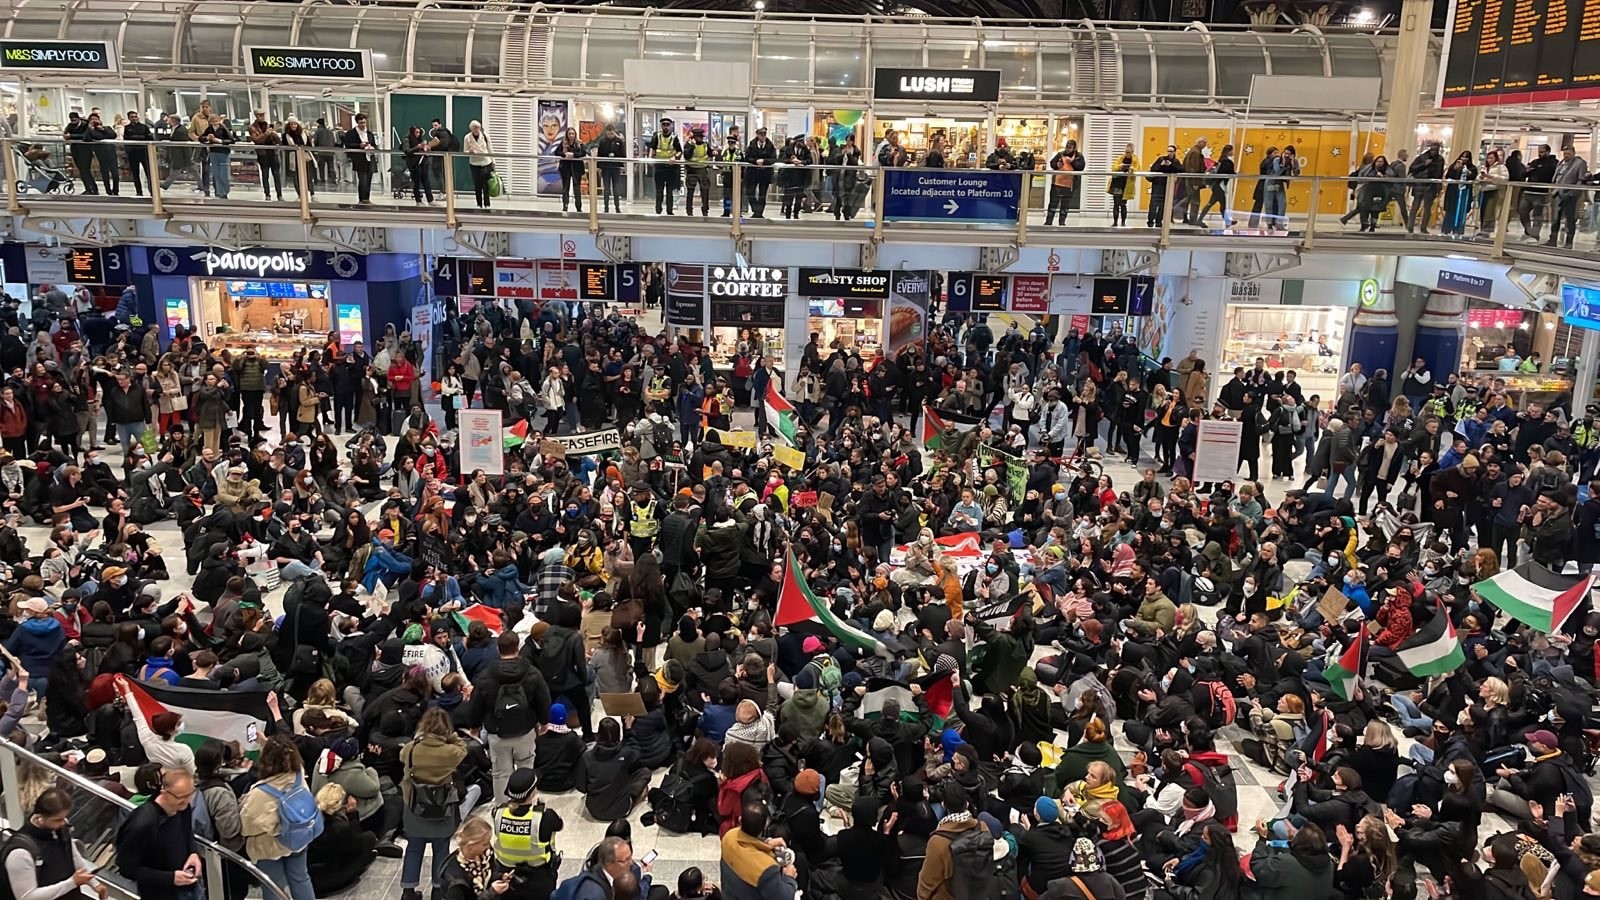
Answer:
(83, 266)
(989, 293)
(596, 282)
(1520, 51)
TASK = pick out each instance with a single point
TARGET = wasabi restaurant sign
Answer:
(300, 63)
(46, 56)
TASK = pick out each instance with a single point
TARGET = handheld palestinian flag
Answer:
(1344, 673)
(936, 425)
(516, 435)
(1536, 596)
(1434, 649)
(781, 414)
(1315, 744)
(801, 610)
(880, 690)
(207, 715)
(492, 618)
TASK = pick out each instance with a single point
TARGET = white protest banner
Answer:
(1216, 452)
(588, 442)
(482, 441)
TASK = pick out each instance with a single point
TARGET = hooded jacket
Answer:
(604, 775)
(1290, 875)
(487, 688)
(807, 710)
(36, 643)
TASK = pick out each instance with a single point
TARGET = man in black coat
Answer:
(138, 156)
(362, 145)
(760, 157)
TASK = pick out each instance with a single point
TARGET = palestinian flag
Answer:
(883, 689)
(781, 414)
(1315, 744)
(801, 610)
(1536, 596)
(207, 715)
(1434, 649)
(492, 618)
(516, 435)
(936, 425)
(1345, 673)
(966, 545)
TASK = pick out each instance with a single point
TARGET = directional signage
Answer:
(951, 195)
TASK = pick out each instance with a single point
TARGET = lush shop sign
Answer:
(978, 85)
(50, 56)
(299, 63)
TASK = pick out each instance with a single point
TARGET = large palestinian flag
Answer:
(1536, 596)
(492, 618)
(1344, 673)
(801, 610)
(1434, 649)
(207, 715)
(935, 425)
(880, 690)
(781, 414)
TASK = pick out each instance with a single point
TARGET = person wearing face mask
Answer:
(43, 861)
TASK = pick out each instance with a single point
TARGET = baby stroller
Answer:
(399, 178)
(39, 174)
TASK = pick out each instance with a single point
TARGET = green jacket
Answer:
(1157, 611)
(251, 374)
(1282, 874)
(1004, 657)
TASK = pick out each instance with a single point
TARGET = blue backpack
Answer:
(299, 820)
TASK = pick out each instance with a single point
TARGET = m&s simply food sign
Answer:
(300, 63)
(46, 56)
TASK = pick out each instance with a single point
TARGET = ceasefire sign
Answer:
(950, 195)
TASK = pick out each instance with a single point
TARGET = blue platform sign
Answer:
(951, 195)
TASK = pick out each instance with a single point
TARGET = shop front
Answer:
(42, 81)
(955, 106)
(844, 307)
(1533, 353)
(280, 301)
(1308, 340)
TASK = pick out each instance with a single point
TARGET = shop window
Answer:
(1018, 63)
(674, 45)
(1239, 59)
(1354, 56)
(1182, 66)
(1295, 54)
(1055, 69)
(781, 61)
(841, 65)
(725, 46)
(607, 49)
(566, 55)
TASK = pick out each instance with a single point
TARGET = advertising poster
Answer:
(1070, 295)
(1216, 453)
(350, 328)
(422, 321)
(909, 294)
(178, 315)
(481, 441)
(514, 278)
(686, 295)
(552, 125)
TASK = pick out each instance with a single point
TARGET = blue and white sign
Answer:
(950, 195)
(1461, 283)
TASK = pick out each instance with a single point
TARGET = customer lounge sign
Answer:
(46, 56)
(976, 85)
(298, 63)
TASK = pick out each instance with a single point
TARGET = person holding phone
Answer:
(49, 859)
(155, 845)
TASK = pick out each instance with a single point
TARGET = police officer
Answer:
(698, 155)
(733, 154)
(524, 840)
(1586, 434)
(644, 521)
(666, 150)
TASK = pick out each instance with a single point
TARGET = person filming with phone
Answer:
(41, 858)
(155, 845)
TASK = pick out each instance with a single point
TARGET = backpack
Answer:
(569, 888)
(512, 715)
(1223, 708)
(150, 675)
(299, 819)
(435, 802)
(673, 802)
(829, 678)
(973, 864)
(1222, 788)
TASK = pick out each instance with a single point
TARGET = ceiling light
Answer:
(1362, 16)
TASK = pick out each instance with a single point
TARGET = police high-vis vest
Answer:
(643, 523)
(697, 153)
(665, 148)
(1586, 434)
(516, 837)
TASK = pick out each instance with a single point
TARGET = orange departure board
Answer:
(1521, 51)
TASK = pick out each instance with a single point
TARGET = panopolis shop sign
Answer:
(977, 85)
(295, 62)
(259, 263)
(747, 282)
(44, 56)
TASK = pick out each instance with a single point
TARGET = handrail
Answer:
(214, 853)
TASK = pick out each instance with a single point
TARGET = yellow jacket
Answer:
(1130, 186)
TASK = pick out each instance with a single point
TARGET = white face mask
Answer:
(119, 581)
(1451, 778)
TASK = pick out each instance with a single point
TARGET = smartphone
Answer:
(648, 858)
(1016, 817)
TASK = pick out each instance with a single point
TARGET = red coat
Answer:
(1396, 621)
(729, 804)
(401, 373)
(13, 420)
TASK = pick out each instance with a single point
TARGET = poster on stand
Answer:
(909, 294)
(481, 441)
(1216, 453)
(553, 116)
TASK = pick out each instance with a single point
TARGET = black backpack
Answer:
(673, 802)
(1220, 785)
(512, 715)
(973, 864)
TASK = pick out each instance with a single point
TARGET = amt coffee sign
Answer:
(748, 282)
(294, 62)
(44, 56)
